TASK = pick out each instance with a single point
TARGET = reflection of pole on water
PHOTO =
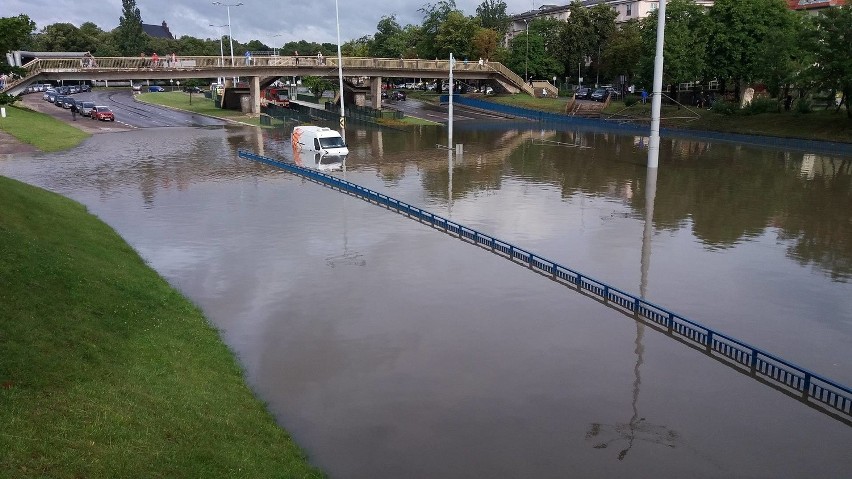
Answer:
(637, 428)
(450, 183)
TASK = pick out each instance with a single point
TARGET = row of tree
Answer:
(736, 42)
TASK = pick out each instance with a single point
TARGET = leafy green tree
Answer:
(740, 37)
(129, 36)
(15, 33)
(360, 47)
(537, 64)
(317, 85)
(621, 53)
(64, 37)
(389, 40)
(576, 38)
(685, 45)
(492, 14)
(830, 41)
(434, 15)
(455, 35)
(602, 18)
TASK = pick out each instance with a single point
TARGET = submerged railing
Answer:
(812, 389)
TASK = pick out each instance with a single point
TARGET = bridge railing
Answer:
(817, 391)
(395, 66)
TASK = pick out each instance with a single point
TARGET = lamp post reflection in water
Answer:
(637, 428)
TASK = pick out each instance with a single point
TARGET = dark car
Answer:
(398, 95)
(192, 89)
(59, 100)
(583, 93)
(85, 87)
(600, 94)
(102, 113)
(68, 102)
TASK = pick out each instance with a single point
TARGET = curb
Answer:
(194, 113)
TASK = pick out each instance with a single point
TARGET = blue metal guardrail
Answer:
(810, 146)
(817, 391)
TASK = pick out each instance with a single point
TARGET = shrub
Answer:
(630, 100)
(804, 105)
(8, 99)
(724, 107)
(761, 105)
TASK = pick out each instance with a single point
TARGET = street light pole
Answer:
(221, 51)
(340, 73)
(527, 61)
(230, 36)
(657, 92)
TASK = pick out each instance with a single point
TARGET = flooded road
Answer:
(389, 349)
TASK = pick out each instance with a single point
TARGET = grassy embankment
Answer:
(106, 370)
(42, 131)
(823, 125)
(204, 106)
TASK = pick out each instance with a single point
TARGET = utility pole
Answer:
(657, 92)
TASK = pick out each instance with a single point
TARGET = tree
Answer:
(740, 34)
(685, 46)
(485, 43)
(455, 35)
(621, 53)
(129, 36)
(389, 40)
(317, 85)
(15, 33)
(360, 47)
(576, 38)
(492, 14)
(830, 41)
(64, 37)
(433, 17)
(538, 63)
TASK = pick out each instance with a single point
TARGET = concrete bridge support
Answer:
(376, 92)
(254, 89)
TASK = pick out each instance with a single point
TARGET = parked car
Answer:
(136, 87)
(583, 93)
(155, 88)
(46, 94)
(67, 102)
(192, 89)
(59, 100)
(599, 94)
(398, 95)
(102, 113)
(85, 107)
(85, 87)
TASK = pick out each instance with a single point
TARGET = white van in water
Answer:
(317, 139)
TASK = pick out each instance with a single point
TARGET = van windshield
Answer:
(332, 142)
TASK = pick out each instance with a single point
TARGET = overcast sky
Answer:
(311, 20)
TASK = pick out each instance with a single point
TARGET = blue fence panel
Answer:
(830, 396)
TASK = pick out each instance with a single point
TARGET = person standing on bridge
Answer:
(248, 58)
(320, 59)
(155, 60)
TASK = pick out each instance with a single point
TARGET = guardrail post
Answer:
(806, 387)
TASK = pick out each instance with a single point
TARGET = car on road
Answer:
(47, 93)
(85, 87)
(155, 89)
(59, 100)
(67, 102)
(192, 89)
(85, 107)
(398, 95)
(601, 94)
(583, 93)
(102, 113)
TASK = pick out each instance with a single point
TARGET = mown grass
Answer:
(825, 125)
(40, 130)
(105, 370)
(200, 104)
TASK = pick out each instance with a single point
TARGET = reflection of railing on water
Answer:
(812, 389)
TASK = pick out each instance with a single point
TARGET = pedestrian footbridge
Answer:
(261, 71)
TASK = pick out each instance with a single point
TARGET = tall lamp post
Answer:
(221, 50)
(527, 60)
(340, 72)
(230, 36)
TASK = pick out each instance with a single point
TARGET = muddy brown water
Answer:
(389, 349)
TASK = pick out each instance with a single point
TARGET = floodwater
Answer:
(389, 349)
